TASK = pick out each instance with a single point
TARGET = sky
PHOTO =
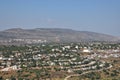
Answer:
(102, 16)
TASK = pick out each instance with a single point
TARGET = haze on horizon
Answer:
(102, 16)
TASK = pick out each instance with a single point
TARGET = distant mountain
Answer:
(54, 35)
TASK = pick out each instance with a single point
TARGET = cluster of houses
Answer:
(67, 57)
(27, 41)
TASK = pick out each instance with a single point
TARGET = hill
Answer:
(54, 35)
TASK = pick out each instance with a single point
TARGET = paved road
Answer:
(67, 78)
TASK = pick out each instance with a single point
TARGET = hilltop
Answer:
(54, 35)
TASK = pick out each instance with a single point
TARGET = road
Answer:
(67, 78)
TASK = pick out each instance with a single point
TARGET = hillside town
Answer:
(47, 58)
(59, 39)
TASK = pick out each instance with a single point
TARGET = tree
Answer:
(106, 64)
(1, 78)
(13, 78)
(78, 71)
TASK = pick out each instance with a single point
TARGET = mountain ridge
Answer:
(55, 35)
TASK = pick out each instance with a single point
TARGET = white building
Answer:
(10, 68)
(86, 50)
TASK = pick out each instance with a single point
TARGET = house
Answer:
(85, 50)
(10, 68)
(1, 58)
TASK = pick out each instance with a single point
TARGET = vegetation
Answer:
(56, 61)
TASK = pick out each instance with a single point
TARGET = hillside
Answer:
(54, 35)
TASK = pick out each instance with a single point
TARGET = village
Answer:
(73, 58)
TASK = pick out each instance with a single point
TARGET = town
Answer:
(57, 61)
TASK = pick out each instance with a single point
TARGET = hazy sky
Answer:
(101, 16)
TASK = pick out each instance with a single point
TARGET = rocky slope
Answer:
(55, 35)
